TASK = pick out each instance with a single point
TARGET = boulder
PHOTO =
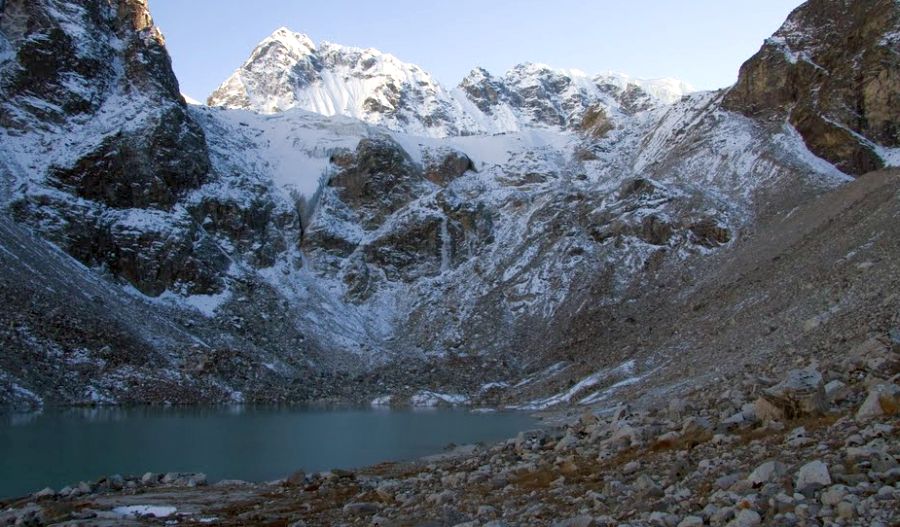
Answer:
(442, 498)
(766, 411)
(624, 435)
(877, 355)
(846, 510)
(812, 476)
(725, 482)
(746, 518)
(568, 442)
(691, 521)
(882, 400)
(801, 393)
(361, 508)
(45, 494)
(695, 427)
(578, 521)
(833, 495)
(631, 467)
(588, 419)
(767, 473)
(296, 478)
(836, 391)
(196, 480)
(116, 482)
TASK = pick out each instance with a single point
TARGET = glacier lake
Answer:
(56, 448)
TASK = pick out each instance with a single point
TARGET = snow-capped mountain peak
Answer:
(299, 44)
(287, 70)
(667, 89)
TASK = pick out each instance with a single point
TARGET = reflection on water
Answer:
(20, 419)
(111, 414)
(59, 447)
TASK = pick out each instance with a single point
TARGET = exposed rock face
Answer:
(676, 224)
(445, 167)
(74, 71)
(377, 180)
(118, 170)
(484, 90)
(287, 70)
(371, 191)
(148, 154)
(537, 95)
(834, 69)
(595, 122)
(153, 167)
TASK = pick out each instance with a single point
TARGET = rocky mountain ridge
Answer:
(287, 70)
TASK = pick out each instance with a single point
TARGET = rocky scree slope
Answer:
(807, 285)
(305, 256)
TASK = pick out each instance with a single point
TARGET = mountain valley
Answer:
(335, 226)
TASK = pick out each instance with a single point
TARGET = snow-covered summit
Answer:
(667, 89)
(287, 70)
(298, 43)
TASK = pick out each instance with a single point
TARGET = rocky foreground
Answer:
(812, 446)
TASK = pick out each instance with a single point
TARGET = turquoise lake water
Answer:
(58, 448)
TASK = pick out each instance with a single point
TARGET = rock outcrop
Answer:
(376, 180)
(834, 70)
(802, 393)
(121, 139)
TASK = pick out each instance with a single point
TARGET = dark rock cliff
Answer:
(834, 70)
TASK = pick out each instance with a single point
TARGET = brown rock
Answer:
(451, 166)
(297, 478)
(833, 69)
(596, 122)
(801, 393)
(882, 401)
(766, 411)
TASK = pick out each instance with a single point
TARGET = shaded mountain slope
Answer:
(807, 285)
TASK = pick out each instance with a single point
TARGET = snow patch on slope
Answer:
(624, 369)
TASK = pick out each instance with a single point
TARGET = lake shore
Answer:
(75, 451)
(813, 448)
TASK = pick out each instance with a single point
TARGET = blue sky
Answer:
(702, 42)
